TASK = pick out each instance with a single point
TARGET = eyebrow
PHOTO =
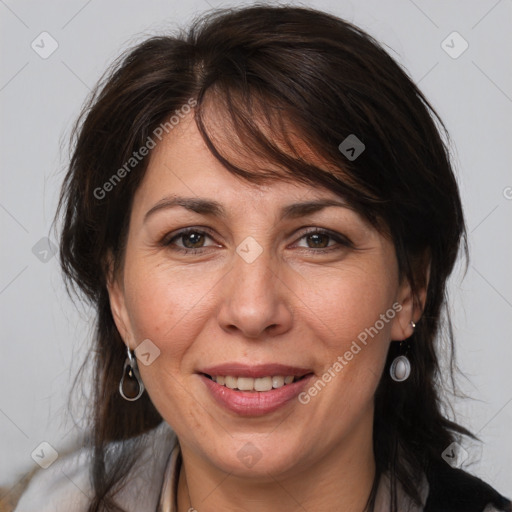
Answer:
(215, 209)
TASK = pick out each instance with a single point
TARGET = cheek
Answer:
(160, 304)
(170, 308)
(347, 301)
(351, 343)
(344, 308)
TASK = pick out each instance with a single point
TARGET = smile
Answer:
(254, 390)
(254, 384)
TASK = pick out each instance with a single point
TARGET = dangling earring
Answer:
(400, 368)
(131, 386)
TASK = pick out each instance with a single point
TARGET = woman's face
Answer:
(266, 291)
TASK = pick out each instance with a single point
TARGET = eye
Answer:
(192, 239)
(318, 240)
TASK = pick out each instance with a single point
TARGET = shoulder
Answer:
(66, 484)
(453, 490)
(62, 486)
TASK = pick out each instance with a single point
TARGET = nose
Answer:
(255, 301)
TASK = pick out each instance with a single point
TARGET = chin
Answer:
(257, 457)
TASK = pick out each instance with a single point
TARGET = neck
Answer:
(338, 480)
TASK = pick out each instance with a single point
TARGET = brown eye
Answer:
(191, 240)
(318, 240)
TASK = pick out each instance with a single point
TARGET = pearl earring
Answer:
(400, 368)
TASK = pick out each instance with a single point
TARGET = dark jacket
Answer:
(454, 490)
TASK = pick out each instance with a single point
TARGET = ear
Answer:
(411, 306)
(117, 301)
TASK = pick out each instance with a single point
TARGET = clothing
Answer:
(65, 486)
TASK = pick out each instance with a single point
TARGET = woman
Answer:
(264, 215)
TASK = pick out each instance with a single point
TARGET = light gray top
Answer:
(65, 485)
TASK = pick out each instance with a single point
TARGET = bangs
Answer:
(262, 139)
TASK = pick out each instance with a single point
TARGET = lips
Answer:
(254, 402)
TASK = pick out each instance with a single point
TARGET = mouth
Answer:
(254, 390)
(251, 384)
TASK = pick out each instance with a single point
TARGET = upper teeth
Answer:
(251, 384)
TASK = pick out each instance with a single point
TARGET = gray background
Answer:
(44, 337)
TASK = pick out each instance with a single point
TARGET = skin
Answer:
(290, 305)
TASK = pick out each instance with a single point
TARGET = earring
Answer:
(131, 386)
(400, 368)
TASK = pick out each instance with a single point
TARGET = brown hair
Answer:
(292, 67)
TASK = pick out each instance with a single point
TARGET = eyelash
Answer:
(340, 239)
